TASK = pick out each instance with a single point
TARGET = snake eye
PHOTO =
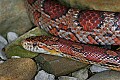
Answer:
(35, 43)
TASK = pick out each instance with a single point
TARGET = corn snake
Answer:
(88, 26)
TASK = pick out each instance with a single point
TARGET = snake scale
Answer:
(73, 27)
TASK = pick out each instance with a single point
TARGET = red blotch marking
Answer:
(54, 31)
(36, 17)
(93, 53)
(54, 9)
(111, 53)
(90, 20)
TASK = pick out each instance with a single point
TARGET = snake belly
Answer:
(86, 26)
(80, 52)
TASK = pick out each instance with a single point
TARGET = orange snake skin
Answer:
(70, 28)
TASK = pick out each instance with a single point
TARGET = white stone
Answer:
(15, 57)
(3, 40)
(82, 74)
(2, 54)
(67, 78)
(1, 62)
(42, 75)
(2, 45)
(98, 68)
(11, 36)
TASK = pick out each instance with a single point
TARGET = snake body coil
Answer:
(75, 26)
(88, 26)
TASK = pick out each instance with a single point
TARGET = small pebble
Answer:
(2, 45)
(82, 74)
(67, 78)
(3, 40)
(98, 68)
(11, 36)
(2, 54)
(1, 61)
(42, 75)
(15, 57)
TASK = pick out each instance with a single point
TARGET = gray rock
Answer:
(42, 75)
(67, 78)
(98, 68)
(106, 75)
(18, 69)
(11, 36)
(2, 55)
(3, 43)
(3, 40)
(58, 65)
(82, 74)
(13, 17)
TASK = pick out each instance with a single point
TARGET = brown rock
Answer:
(13, 17)
(103, 5)
(58, 65)
(18, 69)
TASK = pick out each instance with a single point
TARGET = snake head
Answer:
(39, 44)
(33, 44)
